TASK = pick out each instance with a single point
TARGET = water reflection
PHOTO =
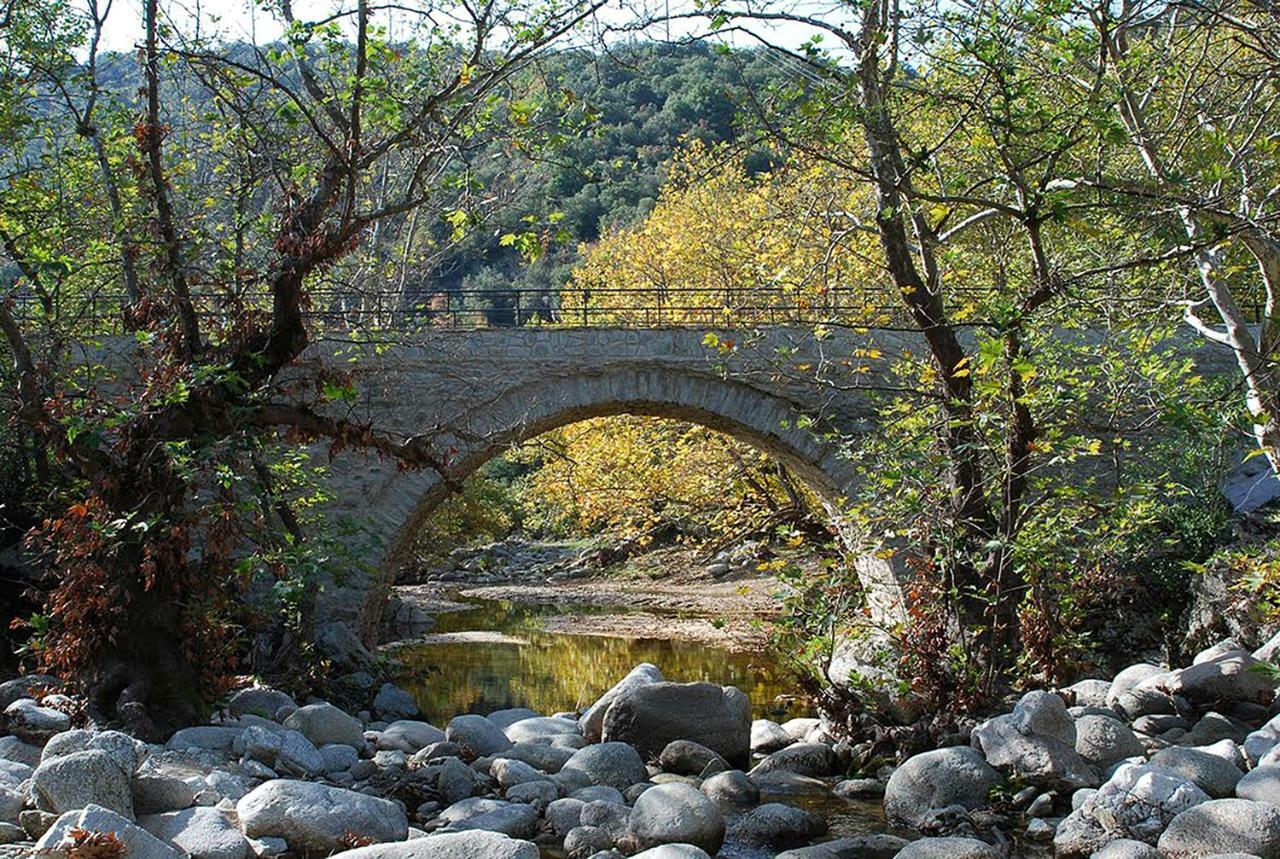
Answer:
(554, 672)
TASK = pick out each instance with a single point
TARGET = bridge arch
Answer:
(765, 421)
(476, 393)
(762, 420)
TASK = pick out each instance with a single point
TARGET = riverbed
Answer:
(557, 647)
(485, 654)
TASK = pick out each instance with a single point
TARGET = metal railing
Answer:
(390, 311)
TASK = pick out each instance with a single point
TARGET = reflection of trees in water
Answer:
(566, 672)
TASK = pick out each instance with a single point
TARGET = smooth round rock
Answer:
(949, 848)
(731, 788)
(1224, 826)
(324, 723)
(936, 779)
(477, 734)
(676, 814)
(615, 765)
(1212, 774)
(316, 817)
(778, 826)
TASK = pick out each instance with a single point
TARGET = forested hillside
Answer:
(630, 111)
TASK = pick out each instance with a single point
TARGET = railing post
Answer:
(586, 298)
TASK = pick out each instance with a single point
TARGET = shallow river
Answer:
(551, 672)
(525, 666)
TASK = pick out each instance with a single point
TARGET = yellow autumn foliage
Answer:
(637, 477)
(724, 247)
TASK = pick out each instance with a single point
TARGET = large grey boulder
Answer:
(203, 833)
(1214, 727)
(128, 752)
(1137, 802)
(1228, 678)
(453, 780)
(673, 851)
(1146, 700)
(592, 721)
(32, 723)
(877, 846)
(13, 774)
(11, 805)
(27, 686)
(585, 841)
(261, 744)
(1080, 836)
(19, 751)
(676, 814)
(298, 756)
(801, 728)
(615, 765)
(213, 738)
(1044, 714)
(314, 817)
(157, 790)
(536, 793)
(731, 789)
(141, 844)
(505, 718)
(649, 716)
(778, 826)
(547, 757)
(685, 757)
(77, 780)
(477, 844)
(477, 735)
(536, 727)
(510, 818)
(612, 818)
(950, 847)
(509, 773)
(1041, 760)
(468, 808)
(1089, 693)
(1103, 740)
(767, 736)
(338, 758)
(1214, 775)
(409, 736)
(564, 814)
(1261, 784)
(936, 779)
(1258, 743)
(1224, 826)
(1129, 679)
(1127, 848)
(324, 723)
(811, 759)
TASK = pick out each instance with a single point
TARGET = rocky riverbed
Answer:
(1152, 763)
(670, 593)
(495, 627)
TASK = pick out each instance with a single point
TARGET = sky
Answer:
(245, 20)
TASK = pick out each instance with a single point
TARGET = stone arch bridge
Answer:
(476, 392)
